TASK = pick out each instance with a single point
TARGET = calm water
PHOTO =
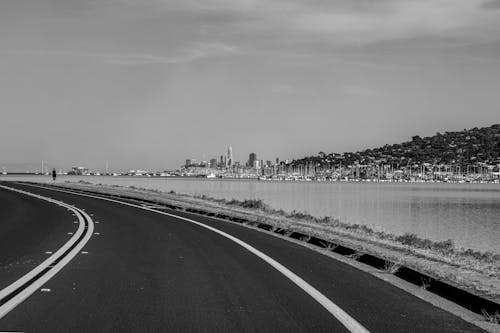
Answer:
(469, 214)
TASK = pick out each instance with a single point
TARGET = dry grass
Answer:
(355, 255)
(305, 239)
(329, 246)
(445, 250)
(391, 267)
(492, 318)
(426, 283)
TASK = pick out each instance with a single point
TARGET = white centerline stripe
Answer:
(350, 323)
(36, 285)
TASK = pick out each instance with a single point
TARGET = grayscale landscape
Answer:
(249, 166)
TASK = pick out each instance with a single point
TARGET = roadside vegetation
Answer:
(445, 248)
(492, 318)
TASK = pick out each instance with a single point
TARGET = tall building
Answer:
(213, 163)
(229, 156)
(251, 159)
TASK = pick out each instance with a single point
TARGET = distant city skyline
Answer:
(452, 155)
(191, 159)
(147, 84)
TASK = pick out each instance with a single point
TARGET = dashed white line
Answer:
(42, 280)
(349, 322)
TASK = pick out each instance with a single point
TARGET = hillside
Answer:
(476, 146)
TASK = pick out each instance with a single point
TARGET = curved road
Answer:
(146, 272)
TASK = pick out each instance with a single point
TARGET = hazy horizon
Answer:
(32, 166)
(148, 84)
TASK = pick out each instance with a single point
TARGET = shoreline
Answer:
(274, 179)
(475, 272)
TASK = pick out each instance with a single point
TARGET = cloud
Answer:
(174, 29)
(349, 22)
(192, 53)
(394, 20)
(492, 4)
(402, 20)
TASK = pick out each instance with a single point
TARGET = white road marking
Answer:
(84, 252)
(45, 290)
(350, 323)
(48, 252)
(37, 284)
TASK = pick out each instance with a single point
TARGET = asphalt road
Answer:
(146, 272)
(29, 227)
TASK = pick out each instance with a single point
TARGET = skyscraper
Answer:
(251, 159)
(213, 163)
(229, 156)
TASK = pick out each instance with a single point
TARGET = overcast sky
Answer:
(149, 83)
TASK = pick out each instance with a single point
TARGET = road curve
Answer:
(150, 272)
(29, 227)
(15, 293)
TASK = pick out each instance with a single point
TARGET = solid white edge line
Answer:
(19, 298)
(350, 323)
